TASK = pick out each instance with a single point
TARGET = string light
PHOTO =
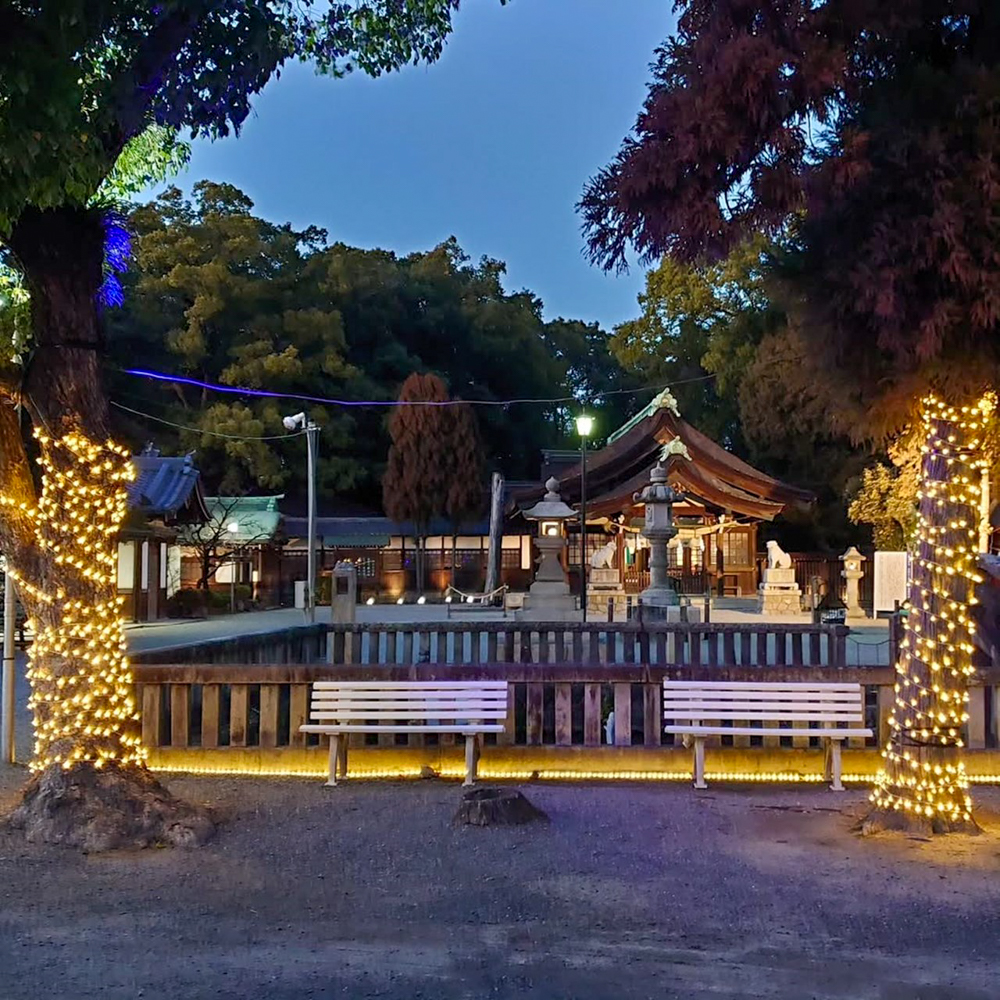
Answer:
(921, 775)
(81, 683)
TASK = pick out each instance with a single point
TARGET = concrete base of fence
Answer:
(763, 764)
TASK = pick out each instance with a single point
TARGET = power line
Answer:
(329, 401)
(202, 430)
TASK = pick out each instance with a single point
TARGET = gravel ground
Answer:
(367, 891)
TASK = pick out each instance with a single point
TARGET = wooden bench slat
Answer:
(359, 728)
(761, 685)
(748, 731)
(401, 715)
(410, 685)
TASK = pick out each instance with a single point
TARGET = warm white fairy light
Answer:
(82, 701)
(935, 653)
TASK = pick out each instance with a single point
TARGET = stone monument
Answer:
(778, 593)
(852, 572)
(344, 593)
(549, 597)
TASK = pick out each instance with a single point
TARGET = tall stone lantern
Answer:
(658, 497)
(549, 597)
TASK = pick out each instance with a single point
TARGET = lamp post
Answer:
(300, 421)
(584, 427)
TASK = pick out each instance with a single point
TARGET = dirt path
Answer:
(631, 891)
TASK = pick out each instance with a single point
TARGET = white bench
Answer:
(469, 708)
(838, 708)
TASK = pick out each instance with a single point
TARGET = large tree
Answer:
(869, 133)
(80, 81)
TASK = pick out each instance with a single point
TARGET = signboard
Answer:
(891, 574)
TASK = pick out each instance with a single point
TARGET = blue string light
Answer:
(117, 255)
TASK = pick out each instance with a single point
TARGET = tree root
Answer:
(891, 820)
(106, 809)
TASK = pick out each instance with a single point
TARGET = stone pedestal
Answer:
(549, 597)
(604, 585)
(778, 593)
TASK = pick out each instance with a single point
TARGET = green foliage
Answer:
(886, 500)
(80, 81)
(222, 295)
(699, 321)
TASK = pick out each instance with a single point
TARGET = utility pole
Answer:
(300, 421)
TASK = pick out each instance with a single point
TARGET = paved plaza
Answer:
(634, 891)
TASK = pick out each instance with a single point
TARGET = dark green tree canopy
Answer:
(219, 294)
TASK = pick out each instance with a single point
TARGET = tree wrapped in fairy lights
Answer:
(91, 97)
(924, 778)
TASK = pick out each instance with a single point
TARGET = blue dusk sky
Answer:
(493, 144)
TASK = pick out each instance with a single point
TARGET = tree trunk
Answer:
(64, 553)
(923, 784)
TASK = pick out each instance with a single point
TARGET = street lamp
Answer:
(300, 421)
(584, 427)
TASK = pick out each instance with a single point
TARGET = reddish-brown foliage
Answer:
(869, 134)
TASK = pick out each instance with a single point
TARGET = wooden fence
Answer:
(255, 705)
(627, 643)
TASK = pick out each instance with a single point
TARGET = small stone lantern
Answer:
(658, 497)
(852, 572)
(549, 597)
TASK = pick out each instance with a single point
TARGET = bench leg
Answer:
(836, 784)
(344, 743)
(334, 759)
(471, 758)
(699, 762)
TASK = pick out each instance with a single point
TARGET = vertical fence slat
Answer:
(491, 647)
(797, 659)
(592, 715)
(651, 721)
(623, 714)
(179, 714)
(238, 699)
(534, 714)
(269, 715)
(298, 712)
(564, 715)
(152, 696)
(210, 715)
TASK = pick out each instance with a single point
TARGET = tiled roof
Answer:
(165, 486)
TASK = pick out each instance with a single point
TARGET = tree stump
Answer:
(496, 807)
(107, 809)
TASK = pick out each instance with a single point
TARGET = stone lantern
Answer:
(658, 497)
(852, 572)
(549, 597)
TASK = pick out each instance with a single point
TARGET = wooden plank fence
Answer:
(469, 643)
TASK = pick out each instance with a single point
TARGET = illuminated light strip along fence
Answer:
(487, 774)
